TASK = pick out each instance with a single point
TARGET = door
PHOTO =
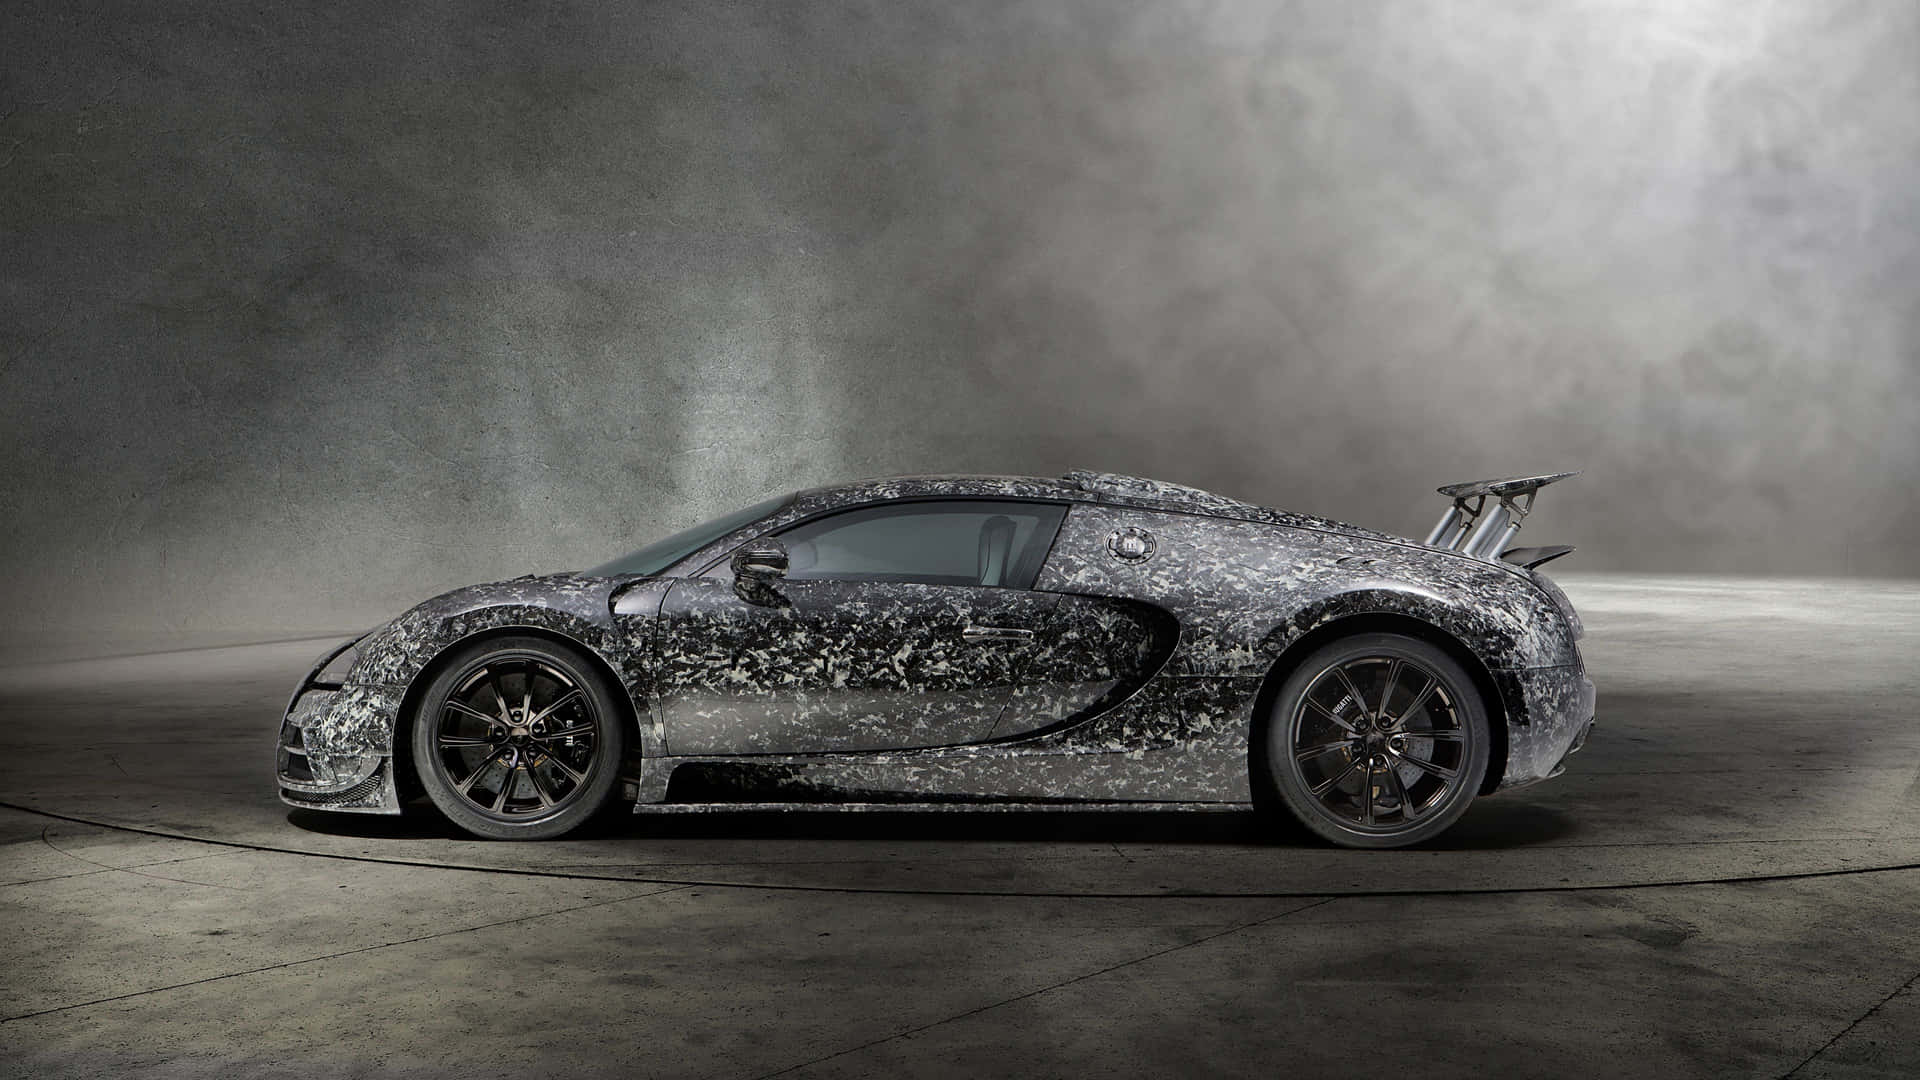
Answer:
(897, 625)
(1096, 651)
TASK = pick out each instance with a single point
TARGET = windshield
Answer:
(661, 554)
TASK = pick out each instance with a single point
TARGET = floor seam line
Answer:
(1046, 989)
(102, 868)
(48, 841)
(1861, 1019)
(334, 956)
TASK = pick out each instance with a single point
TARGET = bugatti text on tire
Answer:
(518, 738)
(1377, 740)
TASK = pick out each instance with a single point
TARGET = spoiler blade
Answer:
(1484, 535)
(1505, 486)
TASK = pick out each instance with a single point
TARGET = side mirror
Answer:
(761, 562)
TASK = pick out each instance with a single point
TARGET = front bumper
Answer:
(335, 748)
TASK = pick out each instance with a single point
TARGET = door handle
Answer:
(996, 633)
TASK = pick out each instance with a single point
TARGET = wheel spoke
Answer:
(506, 786)
(499, 694)
(1327, 785)
(1386, 692)
(1419, 699)
(1447, 735)
(464, 709)
(539, 788)
(1407, 812)
(562, 733)
(1347, 681)
(1333, 716)
(1441, 771)
(457, 741)
(1366, 794)
(1319, 748)
(466, 785)
(560, 763)
(563, 699)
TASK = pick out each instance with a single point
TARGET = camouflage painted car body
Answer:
(1158, 624)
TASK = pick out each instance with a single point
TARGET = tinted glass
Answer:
(949, 542)
(661, 554)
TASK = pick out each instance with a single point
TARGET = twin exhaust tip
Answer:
(1470, 528)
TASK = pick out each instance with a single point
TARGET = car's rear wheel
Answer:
(1377, 741)
(518, 738)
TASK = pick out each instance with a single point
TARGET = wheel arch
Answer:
(1376, 622)
(403, 767)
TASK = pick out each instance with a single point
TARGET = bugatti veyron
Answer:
(1095, 641)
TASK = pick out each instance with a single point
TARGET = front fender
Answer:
(574, 607)
(357, 722)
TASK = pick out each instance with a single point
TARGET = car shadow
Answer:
(414, 823)
(1505, 823)
(1488, 826)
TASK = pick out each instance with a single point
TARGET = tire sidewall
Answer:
(1301, 804)
(597, 791)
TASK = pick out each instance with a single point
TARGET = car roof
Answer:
(1077, 486)
(1080, 485)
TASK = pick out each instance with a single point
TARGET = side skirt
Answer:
(941, 807)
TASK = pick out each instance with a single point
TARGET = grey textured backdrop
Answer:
(309, 310)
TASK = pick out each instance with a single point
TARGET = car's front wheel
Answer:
(1377, 741)
(518, 738)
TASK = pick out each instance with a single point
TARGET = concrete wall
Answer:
(308, 310)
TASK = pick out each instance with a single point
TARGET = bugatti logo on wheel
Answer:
(1132, 545)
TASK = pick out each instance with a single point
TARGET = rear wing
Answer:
(1470, 528)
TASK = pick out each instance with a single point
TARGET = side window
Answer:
(940, 542)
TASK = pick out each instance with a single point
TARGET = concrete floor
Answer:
(1724, 884)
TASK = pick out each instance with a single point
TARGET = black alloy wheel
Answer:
(518, 739)
(1377, 741)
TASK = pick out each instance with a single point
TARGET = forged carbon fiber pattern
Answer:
(1138, 681)
(837, 666)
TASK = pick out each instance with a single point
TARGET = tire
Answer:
(1365, 773)
(518, 738)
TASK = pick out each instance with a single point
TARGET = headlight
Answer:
(335, 671)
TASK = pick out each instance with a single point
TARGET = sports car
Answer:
(974, 643)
